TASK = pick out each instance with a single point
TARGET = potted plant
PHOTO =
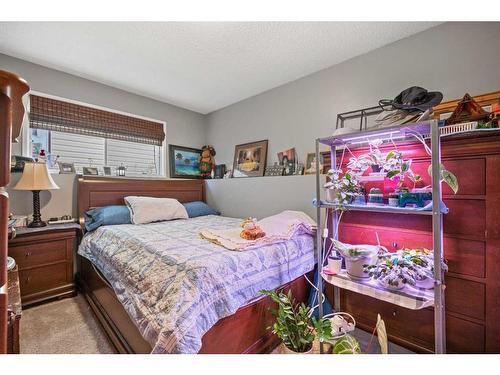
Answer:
(347, 345)
(342, 187)
(293, 326)
(423, 259)
(358, 257)
(394, 273)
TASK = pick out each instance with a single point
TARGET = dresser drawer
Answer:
(465, 297)
(35, 254)
(43, 278)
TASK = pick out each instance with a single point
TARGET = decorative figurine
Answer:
(207, 161)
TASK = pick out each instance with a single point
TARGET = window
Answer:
(88, 136)
(83, 151)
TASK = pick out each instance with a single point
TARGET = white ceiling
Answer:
(201, 66)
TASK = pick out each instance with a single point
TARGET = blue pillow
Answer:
(109, 215)
(198, 208)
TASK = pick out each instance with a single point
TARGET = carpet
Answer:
(67, 326)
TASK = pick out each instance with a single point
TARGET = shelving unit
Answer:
(407, 297)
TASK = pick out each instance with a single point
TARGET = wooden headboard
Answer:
(98, 191)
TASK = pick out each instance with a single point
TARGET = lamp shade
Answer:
(36, 176)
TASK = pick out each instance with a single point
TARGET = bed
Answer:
(160, 288)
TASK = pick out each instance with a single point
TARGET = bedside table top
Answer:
(49, 228)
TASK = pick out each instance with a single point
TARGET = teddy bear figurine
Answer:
(251, 231)
(207, 161)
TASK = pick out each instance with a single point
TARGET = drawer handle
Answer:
(28, 278)
(395, 312)
(27, 254)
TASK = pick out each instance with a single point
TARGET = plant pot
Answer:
(426, 283)
(388, 286)
(331, 195)
(285, 350)
(354, 266)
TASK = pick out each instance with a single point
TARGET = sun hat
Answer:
(414, 98)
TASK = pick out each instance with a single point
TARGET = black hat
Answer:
(414, 98)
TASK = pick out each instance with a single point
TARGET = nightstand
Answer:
(44, 257)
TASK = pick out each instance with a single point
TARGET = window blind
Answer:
(61, 116)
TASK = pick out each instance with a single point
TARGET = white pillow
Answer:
(148, 209)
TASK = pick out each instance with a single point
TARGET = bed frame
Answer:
(243, 332)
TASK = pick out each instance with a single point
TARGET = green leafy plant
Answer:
(447, 177)
(293, 325)
(347, 345)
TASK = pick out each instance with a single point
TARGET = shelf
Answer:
(383, 209)
(409, 297)
(400, 131)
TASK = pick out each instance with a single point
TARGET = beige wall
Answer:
(453, 58)
(184, 127)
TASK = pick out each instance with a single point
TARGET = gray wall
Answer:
(184, 127)
(453, 58)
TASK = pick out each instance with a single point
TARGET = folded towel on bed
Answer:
(278, 228)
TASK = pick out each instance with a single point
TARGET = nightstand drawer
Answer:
(42, 278)
(35, 254)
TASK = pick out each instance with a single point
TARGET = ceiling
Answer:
(201, 66)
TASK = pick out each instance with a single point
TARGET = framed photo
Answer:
(288, 160)
(107, 171)
(274, 170)
(90, 171)
(66, 168)
(310, 165)
(184, 162)
(250, 159)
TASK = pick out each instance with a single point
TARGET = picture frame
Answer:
(90, 171)
(288, 160)
(250, 159)
(310, 164)
(66, 168)
(274, 170)
(107, 171)
(184, 162)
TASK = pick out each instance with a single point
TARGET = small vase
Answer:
(286, 350)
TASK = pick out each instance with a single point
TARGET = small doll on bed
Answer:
(251, 231)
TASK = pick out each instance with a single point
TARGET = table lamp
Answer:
(36, 177)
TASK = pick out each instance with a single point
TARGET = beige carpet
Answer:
(66, 326)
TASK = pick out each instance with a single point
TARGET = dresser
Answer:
(44, 257)
(471, 249)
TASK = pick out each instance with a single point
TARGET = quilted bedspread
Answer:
(175, 285)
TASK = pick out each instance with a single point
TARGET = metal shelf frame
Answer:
(398, 132)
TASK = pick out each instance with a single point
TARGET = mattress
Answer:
(175, 285)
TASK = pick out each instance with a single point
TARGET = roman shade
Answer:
(52, 114)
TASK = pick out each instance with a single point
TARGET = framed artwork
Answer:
(274, 170)
(184, 162)
(310, 165)
(66, 168)
(250, 159)
(287, 159)
(90, 171)
(107, 171)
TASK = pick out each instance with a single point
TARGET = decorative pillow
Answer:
(198, 208)
(145, 210)
(109, 215)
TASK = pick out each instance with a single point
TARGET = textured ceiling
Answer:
(200, 66)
